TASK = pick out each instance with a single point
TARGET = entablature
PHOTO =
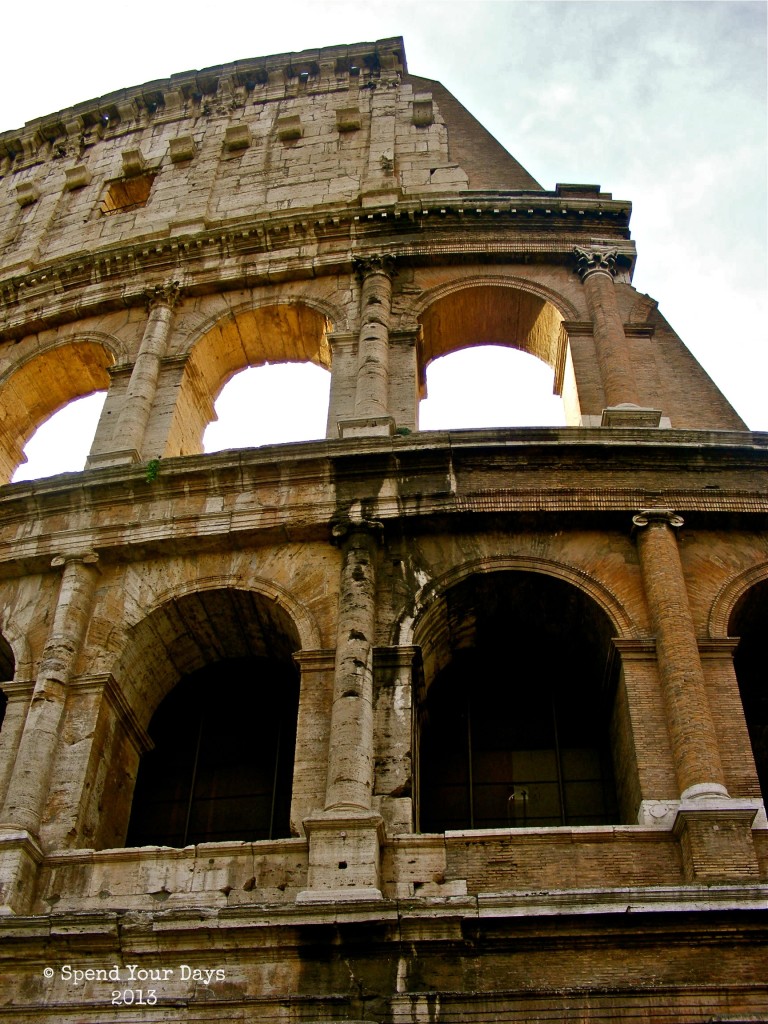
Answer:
(508, 227)
(544, 478)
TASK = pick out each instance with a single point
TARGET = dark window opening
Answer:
(127, 194)
(516, 728)
(750, 659)
(222, 765)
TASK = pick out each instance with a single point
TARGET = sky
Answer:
(661, 103)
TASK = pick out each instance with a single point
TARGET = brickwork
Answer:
(329, 207)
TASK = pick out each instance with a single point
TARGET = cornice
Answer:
(296, 490)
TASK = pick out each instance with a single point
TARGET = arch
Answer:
(565, 307)
(37, 387)
(245, 619)
(410, 622)
(491, 314)
(517, 709)
(306, 628)
(511, 313)
(252, 335)
(727, 597)
(211, 674)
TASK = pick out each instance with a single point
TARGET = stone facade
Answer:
(426, 594)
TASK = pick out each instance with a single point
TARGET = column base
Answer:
(344, 857)
(630, 416)
(123, 457)
(715, 837)
(20, 860)
(370, 426)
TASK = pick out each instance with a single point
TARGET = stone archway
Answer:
(271, 333)
(41, 386)
(517, 719)
(217, 688)
(498, 312)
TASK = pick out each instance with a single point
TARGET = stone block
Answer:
(77, 177)
(133, 162)
(423, 113)
(181, 149)
(27, 193)
(348, 119)
(237, 136)
(289, 127)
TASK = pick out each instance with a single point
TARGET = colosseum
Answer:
(396, 726)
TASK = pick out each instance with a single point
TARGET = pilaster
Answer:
(372, 410)
(30, 782)
(345, 838)
(596, 266)
(137, 407)
(714, 831)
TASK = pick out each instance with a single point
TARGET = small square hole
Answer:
(127, 194)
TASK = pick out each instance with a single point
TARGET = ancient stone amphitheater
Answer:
(395, 726)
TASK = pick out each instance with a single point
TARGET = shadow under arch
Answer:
(748, 620)
(499, 311)
(35, 389)
(210, 674)
(729, 595)
(517, 721)
(427, 604)
(250, 336)
(7, 672)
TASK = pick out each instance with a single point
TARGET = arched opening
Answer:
(470, 325)
(292, 333)
(7, 670)
(271, 404)
(63, 442)
(749, 621)
(515, 724)
(499, 387)
(41, 387)
(218, 667)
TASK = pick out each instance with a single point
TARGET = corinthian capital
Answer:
(376, 264)
(163, 295)
(657, 515)
(597, 259)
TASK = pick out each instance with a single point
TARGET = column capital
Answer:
(595, 259)
(657, 515)
(167, 294)
(81, 557)
(383, 263)
(343, 530)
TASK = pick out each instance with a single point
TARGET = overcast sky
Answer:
(661, 103)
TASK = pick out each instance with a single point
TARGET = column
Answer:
(30, 782)
(137, 407)
(350, 760)
(694, 744)
(714, 831)
(372, 414)
(345, 838)
(596, 267)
